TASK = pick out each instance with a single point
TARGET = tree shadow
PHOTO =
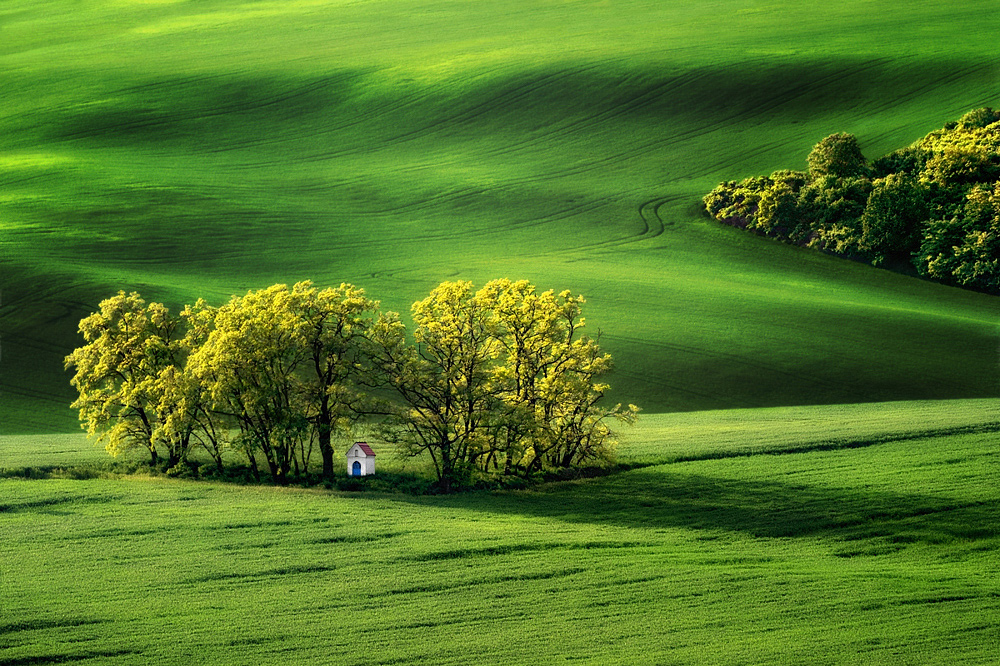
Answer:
(868, 521)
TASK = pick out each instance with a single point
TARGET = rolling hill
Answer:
(187, 149)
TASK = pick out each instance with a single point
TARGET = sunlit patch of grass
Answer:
(871, 553)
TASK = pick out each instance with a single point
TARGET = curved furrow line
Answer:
(621, 240)
(36, 345)
(499, 101)
(13, 182)
(34, 394)
(267, 102)
(662, 224)
(650, 214)
(496, 103)
(395, 241)
(676, 83)
(672, 388)
(723, 165)
(69, 108)
(803, 90)
(728, 159)
(645, 217)
(686, 135)
(517, 225)
(451, 195)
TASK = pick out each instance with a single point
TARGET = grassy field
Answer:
(190, 149)
(882, 552)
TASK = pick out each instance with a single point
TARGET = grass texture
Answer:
(879, 552)
(189, 149)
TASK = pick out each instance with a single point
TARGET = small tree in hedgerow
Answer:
(838, 155)
(893, 218)
(548, 372)
(247, 366)
(332, 326)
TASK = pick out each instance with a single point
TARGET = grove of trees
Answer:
(498, 382)
(934, 204)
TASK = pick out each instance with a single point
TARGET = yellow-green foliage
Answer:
(929, 203)
(125, 375)
(497, 379)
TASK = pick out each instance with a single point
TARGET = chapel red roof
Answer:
(364, 447)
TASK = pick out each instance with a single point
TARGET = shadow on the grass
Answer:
(868, 521)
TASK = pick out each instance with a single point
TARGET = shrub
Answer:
(837, 155)
(978, 118)
(965, 249)
(893, 218)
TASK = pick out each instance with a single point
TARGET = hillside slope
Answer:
(201, 149)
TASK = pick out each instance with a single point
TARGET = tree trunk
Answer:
(325, 446)
(253, 466)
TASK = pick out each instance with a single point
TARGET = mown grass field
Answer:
(878, 552)
(190, 149)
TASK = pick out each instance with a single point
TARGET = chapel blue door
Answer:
(356, 469)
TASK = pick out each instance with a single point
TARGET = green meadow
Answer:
(813, 478)
(764, 545)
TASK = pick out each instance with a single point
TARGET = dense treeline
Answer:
(498, 382)
(935, 204)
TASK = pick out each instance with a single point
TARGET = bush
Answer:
(837, 155)
(909, 161)
(831, 208)
(979, 118)
(883, 213)
(893, 218)
(965, 250)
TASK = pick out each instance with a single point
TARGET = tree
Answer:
(498, 379)
(965, 249)
(547, 374)
(130, 347)
(333, 326)
(444, 380)
(907, 161)
(893, 218)
(778, 209)
(735, 202)
(837, 155)
(194, 417)
(978, 118)
(248, 367)
(831, 210)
